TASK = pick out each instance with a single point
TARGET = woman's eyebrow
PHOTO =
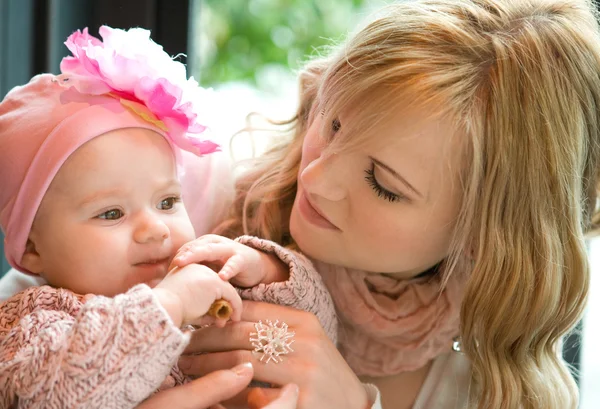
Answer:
(396, 175)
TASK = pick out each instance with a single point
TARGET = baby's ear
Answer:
(31, 259)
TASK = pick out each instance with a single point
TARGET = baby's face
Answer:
(112, 217)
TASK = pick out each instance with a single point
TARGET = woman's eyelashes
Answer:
(336, 125)
(380, 190)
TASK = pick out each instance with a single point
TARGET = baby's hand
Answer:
(242, 265)
(188, 292)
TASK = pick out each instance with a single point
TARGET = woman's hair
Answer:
(521, 79)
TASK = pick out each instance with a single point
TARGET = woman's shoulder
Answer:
(447, 384)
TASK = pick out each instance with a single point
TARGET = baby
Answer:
(90, 168)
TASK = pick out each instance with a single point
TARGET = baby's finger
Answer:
(232, 267)
(202, 240)
(230, 294)
(208, 252)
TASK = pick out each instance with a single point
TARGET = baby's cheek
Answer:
(182, 233)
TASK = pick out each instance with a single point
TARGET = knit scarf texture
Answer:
(389, 326)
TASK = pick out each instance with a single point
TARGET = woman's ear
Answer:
(31, 259)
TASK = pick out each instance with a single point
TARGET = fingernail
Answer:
(243, 369)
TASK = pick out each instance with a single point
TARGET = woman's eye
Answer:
(335, 125)
(380, 190)
(113, 214)
(168, 203)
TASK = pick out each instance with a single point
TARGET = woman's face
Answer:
(387, 207)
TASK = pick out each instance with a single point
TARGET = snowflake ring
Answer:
(272, 339)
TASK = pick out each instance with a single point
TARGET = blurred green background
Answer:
(252, 41)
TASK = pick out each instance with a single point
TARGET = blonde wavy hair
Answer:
(522, 80)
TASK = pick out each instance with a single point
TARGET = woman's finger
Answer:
(203, 364)
(204, 392)
(254, 311)
(271, 398)
(261, 397)
(239, 401)
(288, 369)
(288, 398)
(234, 336)
(266, 398)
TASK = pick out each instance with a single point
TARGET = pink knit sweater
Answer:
(59, 349)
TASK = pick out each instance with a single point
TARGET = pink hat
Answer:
(43, 122)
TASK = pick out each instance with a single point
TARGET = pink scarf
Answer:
(388, 326)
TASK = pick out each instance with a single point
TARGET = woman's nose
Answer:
(324, 177)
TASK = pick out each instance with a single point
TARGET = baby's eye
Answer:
(113, 214)
(168, 203)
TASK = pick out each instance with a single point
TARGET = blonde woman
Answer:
(441, 173)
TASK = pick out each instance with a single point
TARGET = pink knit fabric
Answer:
(57, 351)
(304, 290)
(386, 326)
(116, 352)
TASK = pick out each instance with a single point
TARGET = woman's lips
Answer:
(312, 214)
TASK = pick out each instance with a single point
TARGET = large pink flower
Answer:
(132, 67)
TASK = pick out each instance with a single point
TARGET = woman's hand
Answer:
(244, 266)
(315, 365)
(286, 398)
(214, 388)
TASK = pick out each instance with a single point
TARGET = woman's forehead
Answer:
(427, 138)
(399, 123)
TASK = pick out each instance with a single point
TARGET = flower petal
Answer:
(132, 67)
